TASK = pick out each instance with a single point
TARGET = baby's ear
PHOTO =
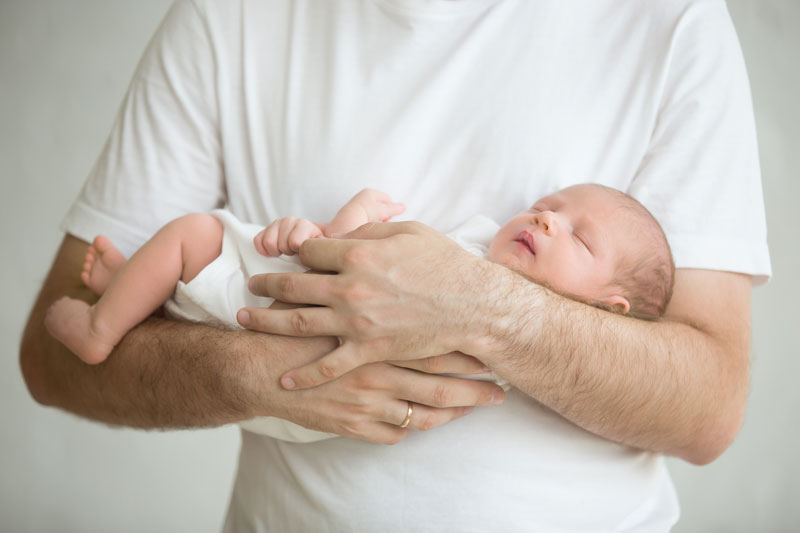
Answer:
(617, 303)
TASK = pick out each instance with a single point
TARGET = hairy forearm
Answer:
(669, 386)
(163, 373)
(167, 374)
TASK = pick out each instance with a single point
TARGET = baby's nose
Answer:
(547, 222)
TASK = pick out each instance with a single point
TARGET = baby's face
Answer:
(570, 240)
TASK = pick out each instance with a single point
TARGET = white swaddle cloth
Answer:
(217, 293)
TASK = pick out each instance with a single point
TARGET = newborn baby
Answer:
(587, 242)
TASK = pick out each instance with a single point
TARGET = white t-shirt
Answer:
(281, 107)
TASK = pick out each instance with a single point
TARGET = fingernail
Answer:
(497, 399)
(468, 410)
(244, 318)
(485, 369)
(251, 285)
(288, 383)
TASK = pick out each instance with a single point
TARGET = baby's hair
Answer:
(647, 279)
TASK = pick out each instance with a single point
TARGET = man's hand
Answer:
(398, 295)
(371, 402)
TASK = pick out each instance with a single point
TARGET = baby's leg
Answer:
(103, 260)
(179, 251)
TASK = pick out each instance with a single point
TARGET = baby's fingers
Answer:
(287, 224)
(258, 242)
(266, 241)
(303, 230)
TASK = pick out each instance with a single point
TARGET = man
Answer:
(454, 108)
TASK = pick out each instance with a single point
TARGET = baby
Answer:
(587, 242)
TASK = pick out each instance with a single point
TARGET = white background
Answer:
(64, 67)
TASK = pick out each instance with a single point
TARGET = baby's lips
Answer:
(527, 239)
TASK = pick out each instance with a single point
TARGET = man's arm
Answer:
(677, 386)
(171, 374)
(144, 383)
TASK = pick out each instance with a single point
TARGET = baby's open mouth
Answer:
(526, 239)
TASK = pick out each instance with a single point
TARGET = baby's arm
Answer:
(286, 235)
(368, 205)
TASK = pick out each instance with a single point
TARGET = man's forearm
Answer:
(672, 386)
(161, 375)
(164, 374)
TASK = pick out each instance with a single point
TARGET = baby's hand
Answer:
(377, 205)
(285, 236)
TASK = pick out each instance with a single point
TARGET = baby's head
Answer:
(593, 244)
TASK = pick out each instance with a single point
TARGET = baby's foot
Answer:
(70, 321)
(101, 263)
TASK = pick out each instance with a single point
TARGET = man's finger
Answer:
(327, 368)
(449, 363)
(441, 391)
(424, 418)
(382, 230)
(299, 322)
(334, 255)
(294, 287)
(325, 255)
(330, 255)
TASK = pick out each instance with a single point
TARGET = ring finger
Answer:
(422, 417)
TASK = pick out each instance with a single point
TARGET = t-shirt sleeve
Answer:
(162, 158)
(701, 176)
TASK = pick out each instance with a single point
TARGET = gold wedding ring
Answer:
(408, 415)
